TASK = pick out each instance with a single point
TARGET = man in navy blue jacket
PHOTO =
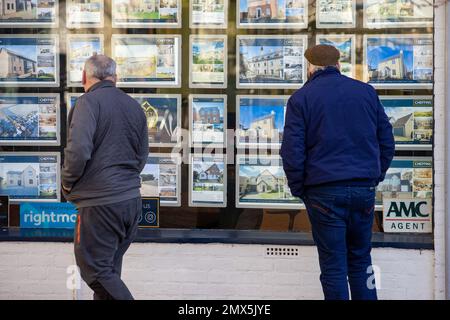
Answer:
(337, 146)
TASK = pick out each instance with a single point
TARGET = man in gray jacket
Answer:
(107, 149)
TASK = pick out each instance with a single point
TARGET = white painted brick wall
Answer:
(205, 271)
(440, 30)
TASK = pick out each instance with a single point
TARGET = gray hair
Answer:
(100, 66)
(315, 68)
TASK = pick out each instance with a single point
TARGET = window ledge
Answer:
(379, 240)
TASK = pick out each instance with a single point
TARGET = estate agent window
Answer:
(213, 74)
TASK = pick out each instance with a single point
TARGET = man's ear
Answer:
(83, 78)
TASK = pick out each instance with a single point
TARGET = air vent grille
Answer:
(281, 251)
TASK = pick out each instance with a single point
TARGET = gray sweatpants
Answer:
(102, 236)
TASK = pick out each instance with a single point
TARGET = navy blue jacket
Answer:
(336, 132)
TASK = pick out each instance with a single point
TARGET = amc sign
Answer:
(407, 215)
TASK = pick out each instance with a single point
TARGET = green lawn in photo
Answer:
(46, 76)
(145, 15)
(197, 60)
(423, 114)
(49, 135)
(265, 195)
(47, 194)
(165, 75)
(402, 139)
(168, 17)
(26, 15)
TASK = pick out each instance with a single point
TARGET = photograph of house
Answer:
(272, 12)
(398, 11)
(19, 180)
(270, 61)
(407, 176)
(397, 180)
(410, 124)
(159, 178)
(79, 50)
(208, 6)
(146, 60)
(207, 51)
(390, 60)
(137, 9)
(207, 175)
(207, 185)
(136, 67)
(207, 116)
(262, 63)
(146, 11)
(162, 118)
(263, 184)
(403, 127)
(17, 9)
(261, 121)
(156, 176)
(17, 65)
(345, 46)
(208, 60)
(399, 59)
(84, 12)
(150, 180)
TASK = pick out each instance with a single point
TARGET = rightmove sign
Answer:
(48, 215)
(407, 215)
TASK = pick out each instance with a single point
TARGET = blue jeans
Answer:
(341, 220)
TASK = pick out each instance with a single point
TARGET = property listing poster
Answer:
(398, 13)
(208, 181)
(394, 61)
(261, 121)
(30, 177)
(28, 13)
(71, 100)
(335, 13)
(407, 175)
(346, 46)
(84, 14)
(411, 119)
(148, 60)
(161, 178)
(261, 183)
(208, 123)
(79, 49)
(146, 13)
(208, 67)
(270, 61)
(208, 13)
(29, 60)
(29, 119)
(257, 14)
(163, 113)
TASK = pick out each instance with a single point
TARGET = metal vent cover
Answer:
(281, 251)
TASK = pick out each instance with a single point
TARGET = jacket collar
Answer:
(101, 84)
(326, 71)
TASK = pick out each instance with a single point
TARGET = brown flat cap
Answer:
(322, 55)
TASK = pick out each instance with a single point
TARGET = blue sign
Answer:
(48, 215)
(150, 213)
